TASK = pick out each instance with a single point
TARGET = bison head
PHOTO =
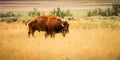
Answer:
(65, 29)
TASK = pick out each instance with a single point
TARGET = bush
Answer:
(58, 12)
(108, 12)
(94, 12)
(100, 11)
(89, 14)
(7, 14)
(34, 13)
(114, 11)
(2, 14)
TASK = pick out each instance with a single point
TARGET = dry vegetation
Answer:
(80, 44)
(89, 38)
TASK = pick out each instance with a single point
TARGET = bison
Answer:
(50, 24)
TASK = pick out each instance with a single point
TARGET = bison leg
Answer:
(53, 34)
(33, 31)
(46, 35)
(29, 33)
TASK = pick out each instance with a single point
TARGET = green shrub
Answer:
(7, 14)
(2, 15)
(34, 13)
(100, 11)
(95, 12)
(58, 12)
(116, 9)
(89, 14)
(108, 12)
(113, 11)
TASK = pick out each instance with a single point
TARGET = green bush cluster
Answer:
(7, 14)
(34, 13)
(114, 11)
(60, 13)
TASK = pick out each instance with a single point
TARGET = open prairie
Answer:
(89, 38)
(81, 43)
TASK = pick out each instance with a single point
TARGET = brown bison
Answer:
(50, 24)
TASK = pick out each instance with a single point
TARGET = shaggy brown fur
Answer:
(49, 24)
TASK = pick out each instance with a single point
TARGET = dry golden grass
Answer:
(79, 44)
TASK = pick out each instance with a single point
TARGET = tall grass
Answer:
(107, 24)
(79, 44)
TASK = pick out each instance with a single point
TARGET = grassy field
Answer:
(84, 42)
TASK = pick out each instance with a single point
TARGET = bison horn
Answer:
(62, 25)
